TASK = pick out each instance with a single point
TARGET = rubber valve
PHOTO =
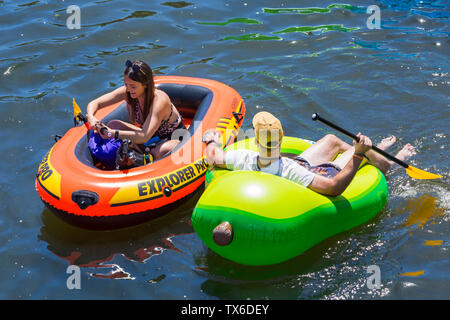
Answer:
(223, 234)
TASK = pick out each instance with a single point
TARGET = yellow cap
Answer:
(268, 130)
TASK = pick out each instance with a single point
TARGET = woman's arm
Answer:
(105, 100)
(161, 103)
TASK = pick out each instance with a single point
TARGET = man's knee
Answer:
(332, 139)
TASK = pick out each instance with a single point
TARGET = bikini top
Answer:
(165, 128)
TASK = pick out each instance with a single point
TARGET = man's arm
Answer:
(337, 185)
(214, 153)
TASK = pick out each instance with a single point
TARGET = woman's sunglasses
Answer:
(134, 66)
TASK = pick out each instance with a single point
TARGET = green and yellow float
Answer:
(256, 219)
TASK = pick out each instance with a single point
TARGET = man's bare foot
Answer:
(377, 159)
(407, 152)
(387, 142)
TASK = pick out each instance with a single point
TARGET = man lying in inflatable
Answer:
(315, 167)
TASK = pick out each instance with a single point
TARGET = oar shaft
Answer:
(315, 117)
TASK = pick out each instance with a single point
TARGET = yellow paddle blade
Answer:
(76, 108)
(420, 174)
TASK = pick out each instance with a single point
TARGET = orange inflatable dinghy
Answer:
(78, 192)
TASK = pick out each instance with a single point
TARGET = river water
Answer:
(291, 58)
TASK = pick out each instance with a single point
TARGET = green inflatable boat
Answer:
(267, 219)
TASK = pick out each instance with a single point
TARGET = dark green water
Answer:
(292, 58)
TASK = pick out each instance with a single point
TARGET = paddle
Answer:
(412, 171)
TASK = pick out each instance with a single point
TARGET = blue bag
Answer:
(104, 150)
(153, 141)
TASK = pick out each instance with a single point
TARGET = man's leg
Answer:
(377, 159)
(407, 152)
(324, 150)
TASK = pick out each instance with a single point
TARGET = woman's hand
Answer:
(110, 98)
(93, 121)
(104, 131)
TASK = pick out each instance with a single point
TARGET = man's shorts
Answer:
(328, 169)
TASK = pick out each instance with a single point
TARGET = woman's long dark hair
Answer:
(143, 75)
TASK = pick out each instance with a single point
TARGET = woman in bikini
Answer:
(150, 111)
